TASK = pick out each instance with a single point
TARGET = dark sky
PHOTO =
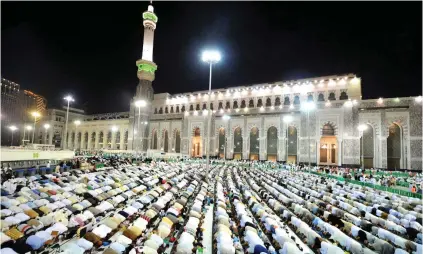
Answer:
(89, 49)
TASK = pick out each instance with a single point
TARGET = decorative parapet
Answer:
(146, 69)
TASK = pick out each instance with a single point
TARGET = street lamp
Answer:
(69, 99)
(225, 118)
(211, 57)
(307, 107)
(139, 104)
(12, 128)
(35, 115)
(46, 127)
(287, 120)
(361, 128)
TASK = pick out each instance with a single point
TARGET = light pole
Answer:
(287, 120)
(210, 57)
(308, 106)
(139, 104)
(12, 128)
(77, 123)
(35, 115)
(68, 99)
(46, 127)
(361, 128)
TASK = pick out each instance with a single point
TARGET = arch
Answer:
(272, 143)
(243, 104)
(165, 141)
(196, 142)
(277, 101)
(292, 145)
(177, 109)
(367, 145)
(183, 109)
(238, 143)
(211, 106)
(310, 98)
(161, 110)
(254, 143)
(394, 146)
(235, 106)
(109, 139)
(268, 102)
(296, 100)
(177, 141)
(228, 105)
(204, 106)
(117, 139)
(220, 105)
(100, 139)
(93, 136)
(222, 142)
(251, 104)
(154, 140)
(171, 110)
(191, 107)
(197, 107)
(86, 140)
(332, 96)
(343, 96)
(286, 101)
(259, 103)
(330, 128)
(321, 97)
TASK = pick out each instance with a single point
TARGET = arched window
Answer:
(277, 101)
(220, 105)
(292, 143)
(259, 103)
(57, 139)
(394, 144)
(243, 105)
(86, 140)
(100, 139)
(321, 97)
(222, 143)
(235, 105)
(204, 106)
(286, 101)
(197, 107)
(238, 143)
(183, 109)
(328, 130)
(228, 105)
(177, 141)
(211, 106)
(310, 97)
(109, 139)
(125, 140)
(191, 108)
(166, 141)
(367, 150)
(155, 111)
(154, 141)
(343, 96)
(171, 110)
(254, 144)
(268, 102)
(297, 100)
(177, 109)
(251, 104)
(166, 110)
(117, 137)
(272, 143)
(93, 139)
(331, 97)
(160, 111)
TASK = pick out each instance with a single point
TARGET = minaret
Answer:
(140, 117)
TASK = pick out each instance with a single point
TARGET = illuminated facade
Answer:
(325, 134)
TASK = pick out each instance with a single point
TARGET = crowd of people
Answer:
(174, 207)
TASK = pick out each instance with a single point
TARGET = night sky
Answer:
(89, 49)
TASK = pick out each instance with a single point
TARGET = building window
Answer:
(191, 108)
(277, 101)
(177, 109)
(243, 104)
(259, 103)
(220, 105)
(211, 106)
(321, 97)
(197, 107)
(183, 109)
(155, 111)
(286, 101)
(166, 110)
(268, 102)
(204, 106)
(310, 97)
(171, 110)
(228, 105)
(297, 100)
(344, 96)
(235, 105)
(251, 104)
(160, 111)
(332, 97)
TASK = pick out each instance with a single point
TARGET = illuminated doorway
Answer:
(272, 144)
(328, 146)
(254, 144)
(196, 143)
(222, 143)
(292, 144)
(238, 144)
